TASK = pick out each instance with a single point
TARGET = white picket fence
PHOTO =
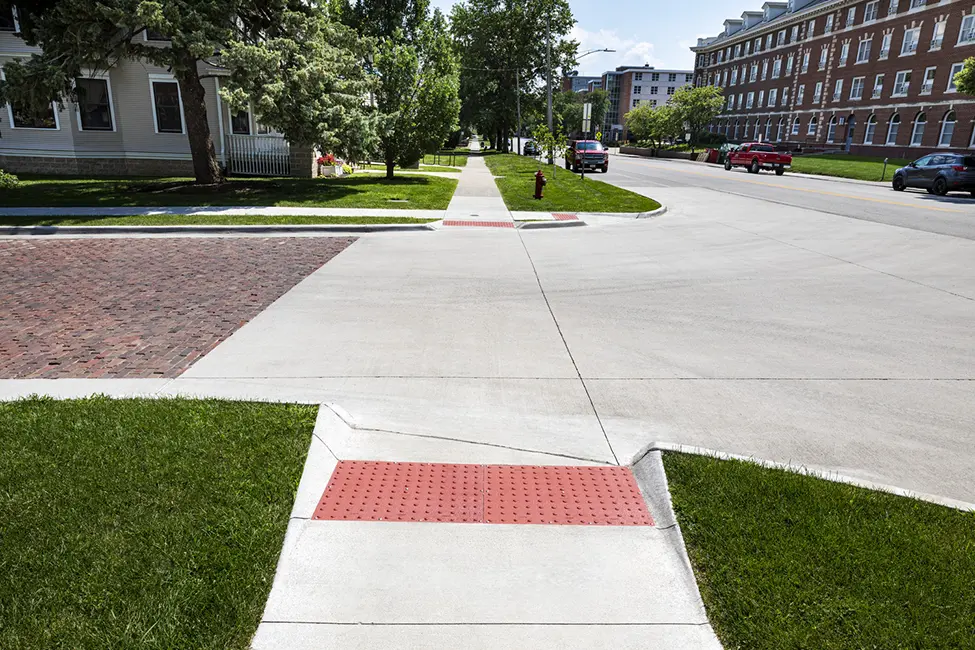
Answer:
(258, 155)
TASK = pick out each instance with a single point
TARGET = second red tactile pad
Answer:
(494, 494)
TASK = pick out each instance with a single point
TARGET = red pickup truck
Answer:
(757, 156)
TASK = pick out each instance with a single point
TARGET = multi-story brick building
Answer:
(629, 87)
(873, 77)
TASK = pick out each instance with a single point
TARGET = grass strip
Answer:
(358, 191)
(864, 168)
(565, 191)
(143, 523)
(420, 170)
(791, 561)
(204, 220)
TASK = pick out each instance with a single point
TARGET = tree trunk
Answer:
(205, 165)
(390, 165)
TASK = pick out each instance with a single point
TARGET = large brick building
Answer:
(872, 77)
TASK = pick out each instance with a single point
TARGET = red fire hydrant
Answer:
(539, 184)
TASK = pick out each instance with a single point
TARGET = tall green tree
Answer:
(697, 107)
(569, 108)
(965, 79)
(98, 34)
(653, 124)
(417, 77)
(502, 45)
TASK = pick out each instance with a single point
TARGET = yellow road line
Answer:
(836, 194)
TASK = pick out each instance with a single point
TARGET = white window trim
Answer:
(16, 17)
(853, 87)
(10, 114)
(914, 126)
(890, 128)
(951, 76)
(866, 130)
(941, 134)
(88, 74)
(916, 45)
(858, 61)
(961, 30)
(924, 80)
(166, 78)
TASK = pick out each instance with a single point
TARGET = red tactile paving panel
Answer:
(575, 496)
(377, 491)
(493, 494)
(138, 307)
(482, 224)
(563, 216)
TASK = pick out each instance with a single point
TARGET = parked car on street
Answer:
(531, 149)
(586, 153)
(938, 173)
(756, 156)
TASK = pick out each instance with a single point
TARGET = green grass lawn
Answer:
(143, 523)
(791, 561)
(358, 191)
(864, 168)
(565, 192)
(204, 220)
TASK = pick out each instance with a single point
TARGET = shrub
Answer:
(8, 181)
(347, 169)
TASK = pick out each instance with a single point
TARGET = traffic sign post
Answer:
(586, 127)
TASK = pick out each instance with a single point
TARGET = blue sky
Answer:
(658, 32)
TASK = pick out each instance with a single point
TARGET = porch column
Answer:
(303, 161)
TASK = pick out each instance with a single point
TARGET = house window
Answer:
(796, 124)
(878, 86)
(927, 85)
(240, 123)
(838, 90)
(94, 104)
(917, 133)
(800, 94)
(870, 11)
(871, 129)
(885, 46)
(25, 119)
(893, 128)
(967, 33)
(863, 51)
(856, 88)
(911, 38)
(844, 53)
(947, 130)
(8, 21)
(902, 84)
(955, 69)
(811, 129)
(168, 109)
(938, 37)
(831, 132)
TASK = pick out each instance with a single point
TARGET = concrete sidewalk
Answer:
(477, 197)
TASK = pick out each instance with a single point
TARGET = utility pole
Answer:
(548, 65)
(518, 100)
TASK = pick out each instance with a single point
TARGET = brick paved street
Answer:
(138, 307)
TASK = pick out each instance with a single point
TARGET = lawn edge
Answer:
(213, 229)
(803, 470)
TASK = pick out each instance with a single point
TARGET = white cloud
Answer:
(629, 51)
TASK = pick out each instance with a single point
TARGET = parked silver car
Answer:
(939, 174)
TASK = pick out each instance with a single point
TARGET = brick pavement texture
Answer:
(90, 308)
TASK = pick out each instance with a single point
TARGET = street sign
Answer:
(587, 117)
(586, 125)
(599, 135)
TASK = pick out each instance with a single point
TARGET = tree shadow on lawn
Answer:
(155, 192)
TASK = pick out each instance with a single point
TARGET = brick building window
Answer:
(818, 92)
(764, 69)
(902, 84)
(894, 5)
(871, 130)
(772, 97)
(805, 63)
(754, 73)
(863, 50)
(829, 24)
(811, 129)
(761, 98)
(750, 102)
(831, 131)
(777, 68)
(810, 29)
(893, 128)
(638, 76)
(878, 87)
(955, 69)
(823, 53)
(927, 84)
(967, 33)
(800, 94)
(838, 90)
(856, 88)
(870, 11)
(796, 125)
(917, 132)
(768, 129)
(789, 63)
(947, 129)
(918, 4)
(885, 46)
(795, 33)
(911, 38)
(778, 129)
(938, 36)
(851, 16)
(844, 53)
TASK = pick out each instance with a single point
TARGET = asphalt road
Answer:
(949, 215)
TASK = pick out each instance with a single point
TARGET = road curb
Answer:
(211, 230)
(835, 477)
(655, 213)
(548, 225)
